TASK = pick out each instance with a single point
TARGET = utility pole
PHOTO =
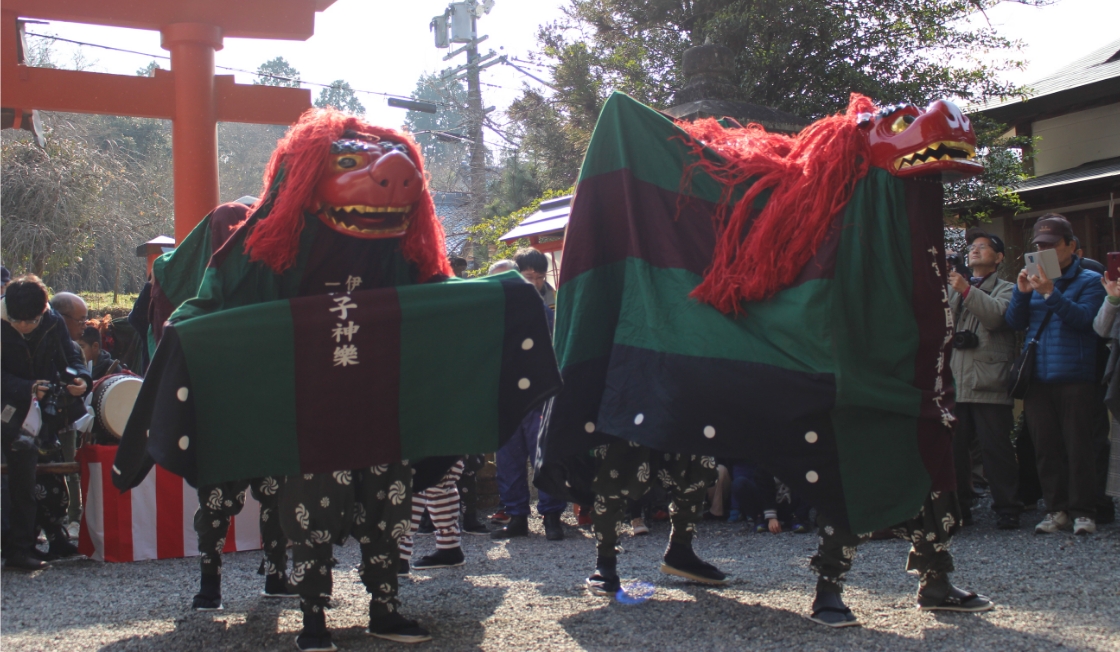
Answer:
(474, 117)
(459, 24)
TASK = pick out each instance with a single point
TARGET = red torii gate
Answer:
(189, 94)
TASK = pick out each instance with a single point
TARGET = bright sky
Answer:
(386, 46)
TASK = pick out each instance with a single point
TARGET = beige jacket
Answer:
(981, 373)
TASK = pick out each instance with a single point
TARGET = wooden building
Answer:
(1074, 114)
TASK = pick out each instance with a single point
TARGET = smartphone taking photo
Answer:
(1047, 259)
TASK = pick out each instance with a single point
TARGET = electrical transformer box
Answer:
(462, 27)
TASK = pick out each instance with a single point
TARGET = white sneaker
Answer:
(1053, 522)
(1084, 525)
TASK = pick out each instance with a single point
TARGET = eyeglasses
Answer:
(978, 247)
(76, 320)
(29, 322)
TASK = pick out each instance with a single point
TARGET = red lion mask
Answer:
(811, 177)
(359, 179)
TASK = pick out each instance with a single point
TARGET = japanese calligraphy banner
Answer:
(343, 381)
(838, 384)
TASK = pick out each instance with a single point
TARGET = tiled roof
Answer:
(454, 212)
(1095, 170)
(550, 217)
(1094, 76)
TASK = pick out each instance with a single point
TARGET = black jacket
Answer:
(40, 356)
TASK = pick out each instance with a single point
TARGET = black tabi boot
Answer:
(314, 636)
(426, 526)
(604, 581)
(518, 526)
(829, 610)
(937, 593)
(681, 561)
(471, 524)
(442, 558)
(276, 586)
(553, 527)
(395, 627)
(209, 596)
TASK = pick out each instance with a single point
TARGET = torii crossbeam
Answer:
(189, 95)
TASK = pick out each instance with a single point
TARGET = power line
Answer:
(241, 70)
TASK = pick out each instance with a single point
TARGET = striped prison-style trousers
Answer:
(442, 503)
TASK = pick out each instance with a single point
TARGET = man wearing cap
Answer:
(1060, 403)
(983, 350)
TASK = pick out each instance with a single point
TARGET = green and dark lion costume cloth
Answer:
(318, 331)
(746, 295)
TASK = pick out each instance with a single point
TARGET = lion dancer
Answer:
(217, 505)
(626, 472)
(345, 208)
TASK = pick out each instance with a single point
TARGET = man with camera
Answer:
(41, 369)
(983, 350)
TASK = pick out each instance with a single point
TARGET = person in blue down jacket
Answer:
(1059, 403)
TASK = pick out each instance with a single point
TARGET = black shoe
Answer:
(518, 526)
(314, 636)
(63, 550)
(426, 526)
(966, 516)
(1106, 511)
(1008, 522)
(276, 586)
(474, 527)
(403, 569)
(445, 558)
(395, 627)
(680, 560)
(829, 610)
(604, 581)
(958, 600)
(41, 555)
(209, 596)
(25, 562)
(553, 527)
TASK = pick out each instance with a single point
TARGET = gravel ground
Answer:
(527, 594)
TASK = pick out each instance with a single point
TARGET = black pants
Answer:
(1061, 418)
(21, 499)
(991, 425)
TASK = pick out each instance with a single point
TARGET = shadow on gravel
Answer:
(712, 621)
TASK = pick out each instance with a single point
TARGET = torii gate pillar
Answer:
(194, 131)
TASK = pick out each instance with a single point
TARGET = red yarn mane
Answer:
(811, 176)
(300, 156)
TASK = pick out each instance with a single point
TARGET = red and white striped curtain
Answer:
(152, 521)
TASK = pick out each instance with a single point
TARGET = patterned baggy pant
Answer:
(626, 473)
(929, 534)
(218, 503)
(442, 503)
(52, 500)
(318, 510)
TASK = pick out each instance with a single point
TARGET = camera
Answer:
(965, 340)
(53, 408)
(956, 262)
